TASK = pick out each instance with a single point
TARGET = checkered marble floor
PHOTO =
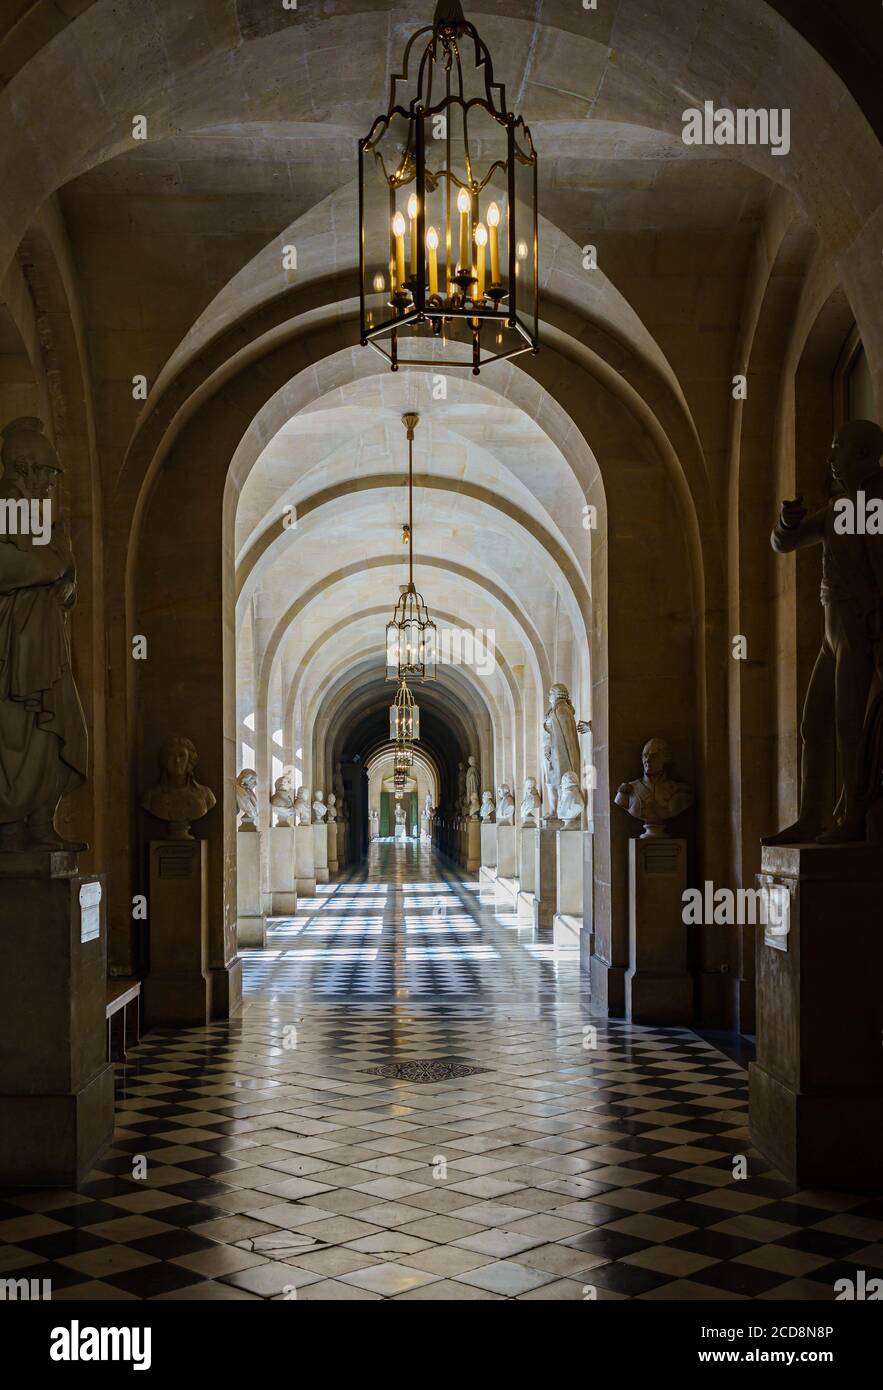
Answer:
(270, 1157)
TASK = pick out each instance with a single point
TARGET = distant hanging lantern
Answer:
(448, 210)
(404, 717)
(411, 635)
(403, 759)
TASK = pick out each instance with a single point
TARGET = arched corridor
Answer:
(441, 652)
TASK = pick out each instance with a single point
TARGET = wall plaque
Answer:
(90, 911)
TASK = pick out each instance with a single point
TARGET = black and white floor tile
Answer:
(416, 1103)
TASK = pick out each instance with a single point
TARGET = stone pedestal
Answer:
(488, 871)
(816, 1088)
(342, 858)
(568, 920)
(472, 846)
(177, 989)
(283, 894)
(331, 839)
(658, 988)
(251, 919)
(320, 852)
(507, 864)
(304, 860)
(56, 1088)
(545, 888)
(527, 872)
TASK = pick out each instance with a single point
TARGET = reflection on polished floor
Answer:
(416, 1103)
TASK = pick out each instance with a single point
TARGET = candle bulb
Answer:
(480, 244)
(412, 214)
(432, 248)
(463, 204)
(398, 231)
(493, 222)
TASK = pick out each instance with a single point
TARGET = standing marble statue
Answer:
(320, 809)
(303, 812)
(401, 829)
(177, 797)
(246, 798)
(488, 809)
(843, 691)
(43, 743)
(282, 800)
(473, 783)
(560, 743)
(462, 799)
(531, 802)
(654, 798)
(571, 803)
(505, 805)
(427, 806)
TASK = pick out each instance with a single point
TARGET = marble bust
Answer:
(654, 798)
(560, 743)
(531, 802)
(43, 741)
(570, 802)
(303, 811)
(332, 808)
(177, 797)
(320, 810)
(282, 800)
(246, 798)
(488, 809)
(505, 805)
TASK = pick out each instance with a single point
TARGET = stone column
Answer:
(283, 894)
(304, 860)
(568, 920)
(56, 1087)
(177, 989)
(658, 987)
(251, 919)
(320, 852)
(816, 1088)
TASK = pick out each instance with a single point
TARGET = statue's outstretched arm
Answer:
(795, 530)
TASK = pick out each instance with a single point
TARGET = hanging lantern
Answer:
(448, 210)
(411, 635)
(403, 759)
(404, 717)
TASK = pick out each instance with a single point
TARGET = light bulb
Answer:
(463, 201)
(493, 215)
(432, 239)
(480, 234)
(398, 225)
(412, 205)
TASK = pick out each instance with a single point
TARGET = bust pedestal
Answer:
(537, 886)
(472, 843)
(331, 851)
(304, 860)
(658, 987)
(283, 894)
(251, 919)
(320, 852)
(177, 989)
(56, 1087)
(816, 1088)
(567, 923)
(488, 870)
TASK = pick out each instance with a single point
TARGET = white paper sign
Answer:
(90, 911)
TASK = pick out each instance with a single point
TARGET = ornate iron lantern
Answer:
(448, 210)
(403, 759)
(404, 717)
(411, 635)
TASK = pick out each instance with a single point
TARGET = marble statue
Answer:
(571, 803)
(332, 808)
(560, 743)
(43, 742)
(427, 806)
(374, 818)
(461, 790)
(177, 797)
(473, 782)
(401, 829)
(505, 805)
(246, 798)
(320, 809)
(842, 696)
(303, 811)
(473, 805)
(488, 809)
(282, 800)
(654, 798)
(531, 802)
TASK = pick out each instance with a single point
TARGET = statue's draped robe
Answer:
(560, 744)
(43, 742)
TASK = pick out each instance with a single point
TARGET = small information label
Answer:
(90, 911)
